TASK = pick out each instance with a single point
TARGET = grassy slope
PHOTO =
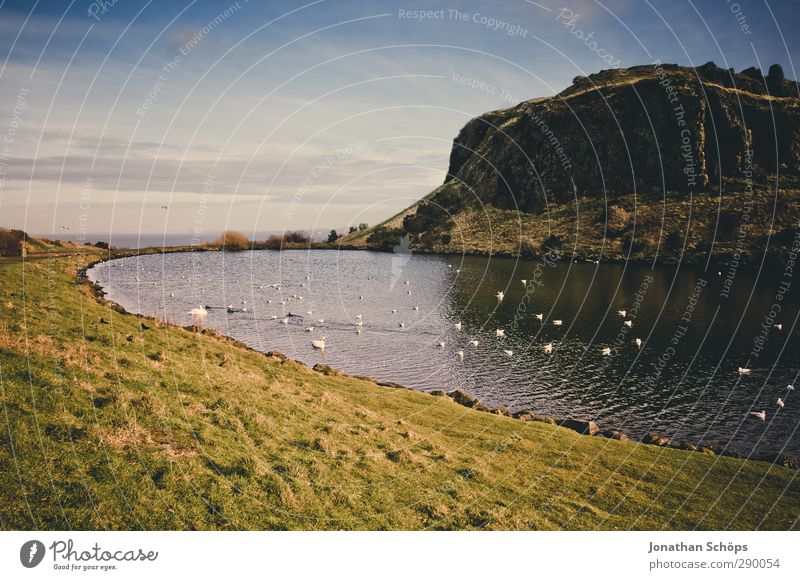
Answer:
(582, 227)
(113, 426)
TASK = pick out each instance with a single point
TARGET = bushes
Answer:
(276, 241)
(11, 242)
(232, 241)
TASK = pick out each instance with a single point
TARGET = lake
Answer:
(696, 329)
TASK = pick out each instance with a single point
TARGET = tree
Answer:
(332, 237)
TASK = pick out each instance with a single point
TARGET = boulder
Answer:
(582, 427)
(463, 398)
(326, 370)
(618, 435)
(787, 459)
(653, 439)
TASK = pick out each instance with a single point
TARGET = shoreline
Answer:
(585, 427)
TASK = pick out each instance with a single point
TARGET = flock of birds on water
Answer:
(200, 314)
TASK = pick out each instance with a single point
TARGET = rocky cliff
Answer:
(657, 132)
(624, 131)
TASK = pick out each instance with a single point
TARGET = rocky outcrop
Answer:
(641, 129)
(622, 131)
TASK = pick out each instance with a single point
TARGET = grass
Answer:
(106, 424)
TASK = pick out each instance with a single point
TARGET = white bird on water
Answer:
(199, 314)
(473, 343)
(319, 344)
(548, 348)
(500, 332)
(309, 329)
(607, 351)
(441, 344)
(779, 326)
(458, 326)
(358, 316)
(790, 387)
(628, 323)
(759, 415)
(415, 308)
(744, 371)
(638, 342)
(321, 321)
(558, 322)
(460, 354)
(524, 282)
(500, 295)
(622, 313)
(539, 316)
(394, 310)
(274, 317)
(402, 325)
(358, 330)
(509, 353)
(285, 321)
(780, 403)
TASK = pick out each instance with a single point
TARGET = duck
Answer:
(539, 316)
(558, 322)
(606, 351)
(508, 353)
(781, 404)
(744, 371)
(548, 348)
(500, 332)
(759, 415)
(628, 323)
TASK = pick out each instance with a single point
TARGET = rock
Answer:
(776, 81)
(506, 159)
(687, 446)
(706, 451)
(277, 355)
(463, 398)
(618, 435)
(326, 370)
(438, 393)
(582, 427)
(389, 384)
(787, 459)
(653, 439)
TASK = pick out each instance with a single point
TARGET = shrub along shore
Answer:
(123, 422)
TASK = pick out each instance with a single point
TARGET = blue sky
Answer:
(269, 115)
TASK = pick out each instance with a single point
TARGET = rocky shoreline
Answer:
(581, 426)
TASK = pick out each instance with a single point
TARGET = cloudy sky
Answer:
(179, 116)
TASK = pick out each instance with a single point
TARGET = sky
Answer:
(192, 117)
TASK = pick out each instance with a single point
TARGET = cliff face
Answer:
(643, 130)
(609, 169)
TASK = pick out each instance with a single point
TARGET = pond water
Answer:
(696, 329)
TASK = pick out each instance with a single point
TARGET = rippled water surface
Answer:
(683, 382)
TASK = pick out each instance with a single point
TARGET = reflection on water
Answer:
(696, 329)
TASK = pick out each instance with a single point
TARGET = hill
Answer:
(652, 161)
(112, 421)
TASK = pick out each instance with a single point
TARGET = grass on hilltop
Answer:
(106, 424)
